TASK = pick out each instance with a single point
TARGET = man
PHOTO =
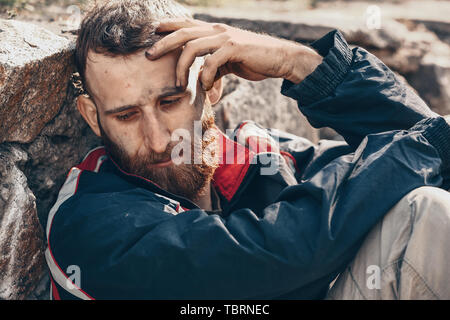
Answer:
(138, 223)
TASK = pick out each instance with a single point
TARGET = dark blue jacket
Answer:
(112, 235)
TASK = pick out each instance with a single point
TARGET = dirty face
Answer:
(137, 109)
(138, 104)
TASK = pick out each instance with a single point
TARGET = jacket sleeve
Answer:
(293, 250)
(354, 93)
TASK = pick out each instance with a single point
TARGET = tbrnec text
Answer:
(229, 309)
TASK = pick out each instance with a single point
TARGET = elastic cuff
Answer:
(437, 132)
(327, 76)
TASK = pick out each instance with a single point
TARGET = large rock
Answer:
(63, 142)
(432, 79)
(21, 236)
(38, 114)
(34, 73)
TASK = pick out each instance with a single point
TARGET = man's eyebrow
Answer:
(171, 91)
(120, 109)
(165, 92)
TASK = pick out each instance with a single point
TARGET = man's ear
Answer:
(88, 110)
(215, 93)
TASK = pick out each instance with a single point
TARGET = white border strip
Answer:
(67, 191)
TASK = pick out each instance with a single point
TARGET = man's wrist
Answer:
(301, 61)
(323, 81)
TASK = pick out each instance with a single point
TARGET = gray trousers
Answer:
(406, 255)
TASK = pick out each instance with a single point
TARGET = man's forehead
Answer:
(113, 78)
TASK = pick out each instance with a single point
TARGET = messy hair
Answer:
(120, 28)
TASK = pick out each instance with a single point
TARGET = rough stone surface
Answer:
(38, 110)
(432, 79)
(21, 236)
(34, 73)
(42, 291)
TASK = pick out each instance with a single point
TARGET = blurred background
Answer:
(437, 10)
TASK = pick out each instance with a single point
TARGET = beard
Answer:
(186, 180)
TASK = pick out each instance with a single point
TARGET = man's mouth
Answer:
(161, 164)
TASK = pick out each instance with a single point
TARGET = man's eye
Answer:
(126, 116)
(168, 102)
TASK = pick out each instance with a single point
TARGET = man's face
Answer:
(138, 109)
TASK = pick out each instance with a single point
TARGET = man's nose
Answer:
(156, 133)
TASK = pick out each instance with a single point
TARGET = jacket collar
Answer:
(235, 160)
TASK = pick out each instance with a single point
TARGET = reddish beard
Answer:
(186, 180)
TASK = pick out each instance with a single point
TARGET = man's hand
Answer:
(248, 55)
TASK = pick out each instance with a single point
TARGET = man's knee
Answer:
(429, 203)
(424, 205)
(418, 223)
(410, 248)
(431, 192)
(427, 250)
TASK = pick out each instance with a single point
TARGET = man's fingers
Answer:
(168, 25)
(213, 68)
(178, 39)
(191, 51)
